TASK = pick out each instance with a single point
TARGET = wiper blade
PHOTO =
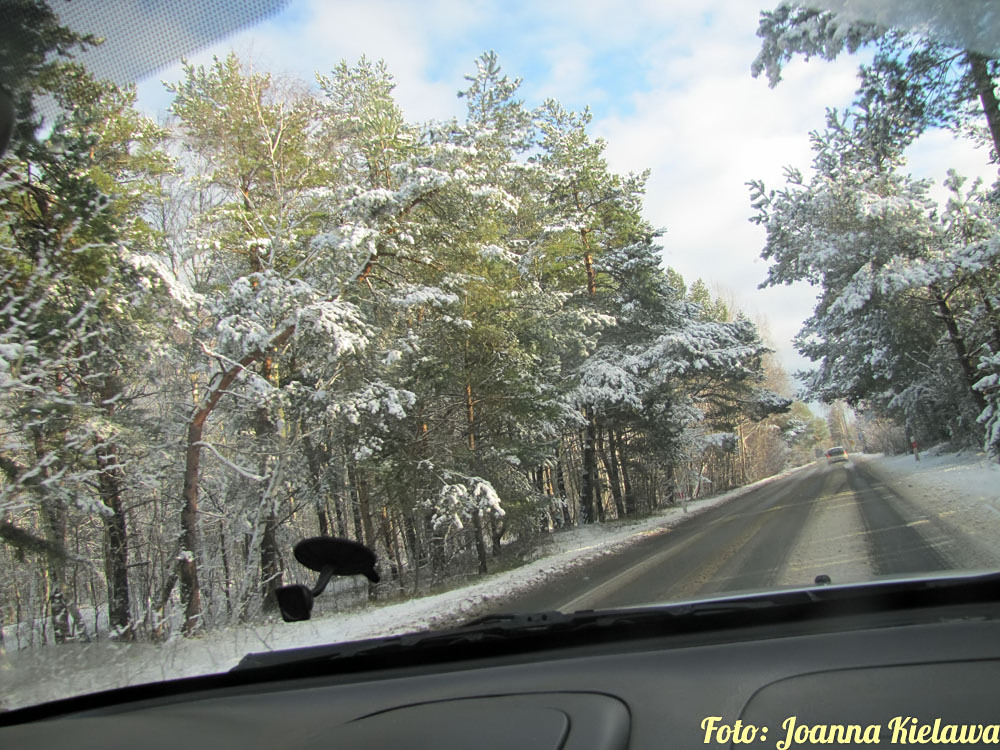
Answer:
(502, 634)
(489, 627)
(511, 627)
(516, 621)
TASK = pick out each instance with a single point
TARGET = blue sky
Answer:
(669, 86)
(560, 50)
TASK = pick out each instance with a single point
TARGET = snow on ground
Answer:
(967, 482)
(33, 675)
(950, 496)
(959, 491)
(962, 489)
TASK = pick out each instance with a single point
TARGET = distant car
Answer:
(837, 453)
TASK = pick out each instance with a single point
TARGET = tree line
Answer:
(289, 311)
(907, 324)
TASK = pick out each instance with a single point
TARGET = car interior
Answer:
(894, 662)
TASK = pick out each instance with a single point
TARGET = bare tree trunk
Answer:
(414, 549)
(589, 494)
(567, 520)
(270, 563)
(497, 529)
(545, 516)
(958, 343)
(986, 89)
(392, 547)
(364, 505)
(270, 556)
(55, 526)
(415, 553)
(477, 516)
(362, 516)
(470, 416)
(436, 546)
(318, 486)
(226, 572)
(187, 560)
(355, 491)
(611, 467)
(54, 523)
(110, 481)
(744, 456)
(588, 259)
(187, 568)
(323, 518)
(630, 501)
(477, 532)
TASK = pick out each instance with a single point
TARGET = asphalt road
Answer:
(745, 544)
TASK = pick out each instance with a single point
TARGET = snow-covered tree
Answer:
(79, 319)
(926, 76)
(291, 311)
(897, 274)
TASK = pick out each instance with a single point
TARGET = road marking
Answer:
(634, 571)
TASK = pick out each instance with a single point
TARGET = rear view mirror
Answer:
(328, 556)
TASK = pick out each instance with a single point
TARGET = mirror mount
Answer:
(325, 575)
(328, 556)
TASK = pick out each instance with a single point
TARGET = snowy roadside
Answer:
(968, 480)
(33, 676)
(960, 491)
(953, 498)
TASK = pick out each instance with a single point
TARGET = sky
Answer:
(669, 86)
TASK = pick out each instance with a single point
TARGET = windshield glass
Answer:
(546, 306)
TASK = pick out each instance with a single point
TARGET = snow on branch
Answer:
(458, 501)
(245, 473)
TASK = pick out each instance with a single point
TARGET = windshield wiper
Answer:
(824, 608)
(519, 631)
(504, 634)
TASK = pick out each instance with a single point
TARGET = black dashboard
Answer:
(874, 675)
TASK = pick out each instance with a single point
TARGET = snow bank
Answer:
(37, 675)
(963, 489)
(959, 491)
(968, 481)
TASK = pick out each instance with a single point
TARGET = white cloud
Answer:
(705, 129)
(937, 152)
(316, 35)
(674, 96)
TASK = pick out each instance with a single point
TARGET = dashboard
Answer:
(885, 677)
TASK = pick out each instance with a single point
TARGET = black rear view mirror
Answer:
(328, 556)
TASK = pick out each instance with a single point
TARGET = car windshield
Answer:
(532, 306)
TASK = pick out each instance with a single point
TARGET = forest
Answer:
(906, 328)
(287, 311)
